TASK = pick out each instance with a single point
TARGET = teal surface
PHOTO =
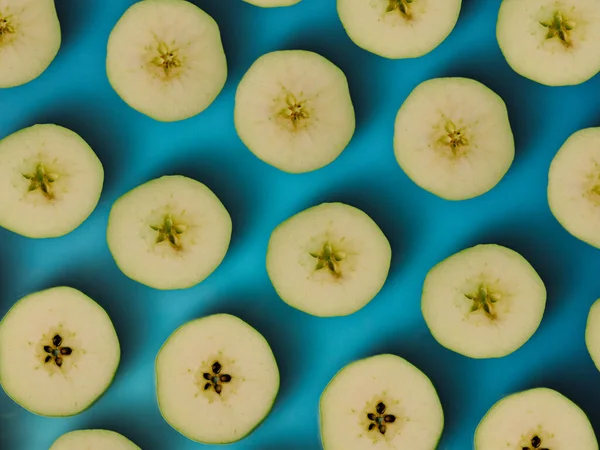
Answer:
(423, 229)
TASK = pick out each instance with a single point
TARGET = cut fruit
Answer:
(93, 440)
(592, 333)
(536, 419)
(58, 352)
(216, 379)
(169, 233)
(328, 260)
(166, 60)
(380, 402)
(551, 42)
(30, 38)
(398, 29)
(293, 110)
(483, 302)
(50, 179)
(272, 3)
(574, 186)
(453, 138)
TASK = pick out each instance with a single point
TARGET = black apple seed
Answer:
(225, 378)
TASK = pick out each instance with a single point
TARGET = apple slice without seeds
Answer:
(483, 302)
(536, 419)
(592, 333)
(398, 29)
(93, 440)
(169, 233)
(216, 379)
(549, 41)
(30, 38)
(58, 352)
(574, 186)
(272, 3)
(328, 260)
(380, 402)
(165, 59)
(50, 181)
(293, 110)
(453, 138)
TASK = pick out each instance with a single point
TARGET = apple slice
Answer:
(535, 419)
(169, 233)
(398, 29)
(58, 352)
(574, 185)
(165, 59)
(328, 260)
(30, 37)
(549, 41)
(483, 302)
(216, 379)
(50, 180)
(93, 440)
(272, 3)
(293, 110)
(453, 138)
(380, 402)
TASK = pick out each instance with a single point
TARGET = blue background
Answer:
(423, 229)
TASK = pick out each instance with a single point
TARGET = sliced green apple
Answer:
(216, 379)
(50, 179)
(165, 59)
(169, 233)
(535, 419)
(380, 402)
(328, 260)
(30, 38)
(483, 302)
(58, 352)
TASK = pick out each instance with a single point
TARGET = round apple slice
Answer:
(398, 29)
(453, 138)
(58, 352)
(93, 440)
(380, 402)
(328, 260)
(165, 59)
(536, 419)
(169, 233)
(483, 302)
(574, 186)
(293, 110)
(551, 42)
(216, 379)
(30, 38)
(50, 179)
(272, 3)
(592, 333)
